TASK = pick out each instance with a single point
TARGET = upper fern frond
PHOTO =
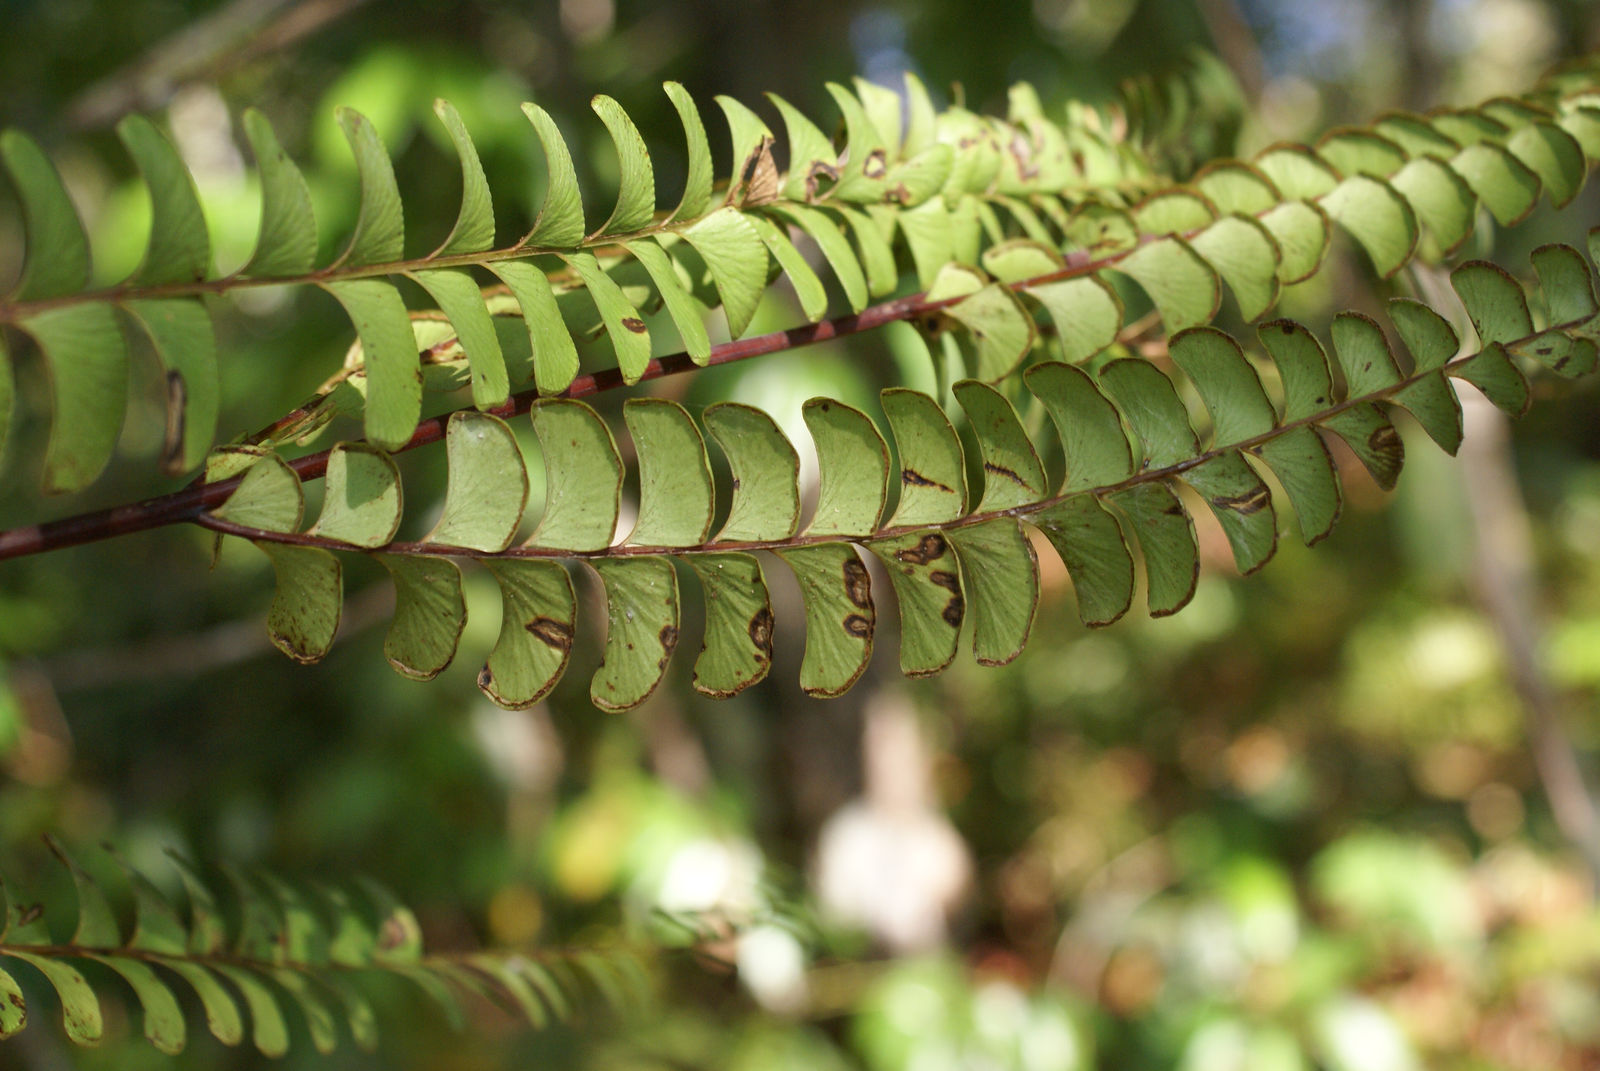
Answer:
(976, 208)
(1130, 446)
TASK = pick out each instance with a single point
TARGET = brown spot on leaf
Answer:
(858, 626)
(1001, 470)
(668, 637)
(30, 913)
(857, 585)
(917, 479)
(930, 547)
(634, 324)
(172, 440)
(1022, 152)
(820, 178)
(758, 178)
(1383, 439)
(1246, 504)
(761, 631)
(876, 165)
(552, 633)
(957, 606)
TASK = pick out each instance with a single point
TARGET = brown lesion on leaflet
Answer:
(634, 324)
(761, 631)
(858, 626)
(172, 440)
(914, 478)
(857, 584)
(552, 633)
(956, 608)
(1253, 501)
(930, 547)
(669, 642)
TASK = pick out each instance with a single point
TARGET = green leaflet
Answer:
(394, 390)
(1092, 440)
(555, 355)
(361, 505)
(1167, 541)
(269, 1032)
(583, 477)
(474, 228)
(1495, 303)
(457, 295)
(488, 487)
(1000, 332)
(1377, 217)
(807, 287)
(1302, 231)
(1300, 460)
(89, 388)
(1091, 545)
(877, 255)
(1184, 288)
(429, 614)
(1152, 410)
(737, 649)
(854, 464)
(539, 622)
(624, 326)
(163, 1019)
(57, 260)
(1243, 505)
(1554, 156)
(1507, 187)
(1430, 339)
(13, 1007)
(932, 468)
(636, 197)
(288, 234)
(1002, 587)
(1363, 354)
(1373, 439)
(736, 260)
(839, 616)
(1227, 384)
(222, 1012)
(560, 221)
(268, 499)
(1440, 198)
(813, 163)
(1246, 255)
(180, 329)
(766, 470)
(379, 235)
(865, 162)
(305, 602)
(928, 589)
(1302, 367)
(180, 248)
(1012, 473)
(641, 629)
(676, 497)
(835, 250)
(80, 1008)
(687, 313)
(697, 183)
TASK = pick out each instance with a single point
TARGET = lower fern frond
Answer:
(1135, 461)
(292, 948)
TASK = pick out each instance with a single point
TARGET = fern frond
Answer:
(291, 948)
(1055, 210)
(1131, 451)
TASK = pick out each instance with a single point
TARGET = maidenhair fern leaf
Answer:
(1134, 461)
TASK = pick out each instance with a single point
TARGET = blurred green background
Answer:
(1306, 823)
